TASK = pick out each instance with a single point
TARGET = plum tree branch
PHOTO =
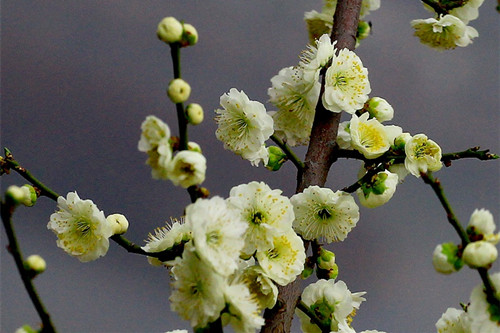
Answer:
(319, 158)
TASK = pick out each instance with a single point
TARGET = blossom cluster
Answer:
(319, 23)
(448, 29)
(235, 251)
(479, 315)
(185, 168)
(479, 252)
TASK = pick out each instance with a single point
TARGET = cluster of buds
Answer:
(180, 34)
(480, 252)
(171, 31)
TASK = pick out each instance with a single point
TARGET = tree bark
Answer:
(319, 158)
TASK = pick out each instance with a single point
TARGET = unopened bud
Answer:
(16, 194)
(118, 222)
(326, 259)
(308, 268)
(445, 259)
(276, 158)
(189, 35)
(193, 146)
(25, 329)
(380, 109)
(400, 141)
(481, 223)
(30, 195)
(178, 90)
(364, 30)
(194, 113)
(327, 268)
(480, 254)
(35, 264)
(170, 30)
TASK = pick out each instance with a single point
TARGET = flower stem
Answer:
(438, 190)
(7, 209)
(304, 308)
(289, 152)
(9, 163)
(175, 52)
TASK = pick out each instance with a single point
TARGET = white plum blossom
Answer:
(332, 301)
(316, 57)
(453, 321)
(346, 83)
(165, 238)
(318, 24)
(155, 141)
(217, 232)
(81, 228)
(197, 290)
(243, 126)
(285, 260)
(368, 6)
(481, 224)
(370, 137)
(468, 11)
(322, 213)
(296, 101)
(243, 311)
(154, 133)
(445, 32)
(422, 155)
(260, 285)
(187, 168)
(266, 211)
(483, 317)
(344, 135)
(378, 190)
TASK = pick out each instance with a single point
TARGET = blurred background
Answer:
(79, 77)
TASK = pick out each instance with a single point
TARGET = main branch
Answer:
(319, 158)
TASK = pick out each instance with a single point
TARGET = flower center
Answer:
(84, 228)
(424, 149)
(213, 238)
(272, 253)
(324, 214)
(370, 137)
(187, 168)
(258, 218)
(340, 80)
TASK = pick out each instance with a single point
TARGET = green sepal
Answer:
(450, 250)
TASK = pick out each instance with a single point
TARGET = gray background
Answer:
(79, 77)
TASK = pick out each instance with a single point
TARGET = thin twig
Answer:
(7, 209)
(289, 152)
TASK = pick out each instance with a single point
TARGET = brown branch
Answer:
(319, 158)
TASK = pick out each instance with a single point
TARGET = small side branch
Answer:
(7, 210)
(289, 152)
(483, 155)
(438, 190)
